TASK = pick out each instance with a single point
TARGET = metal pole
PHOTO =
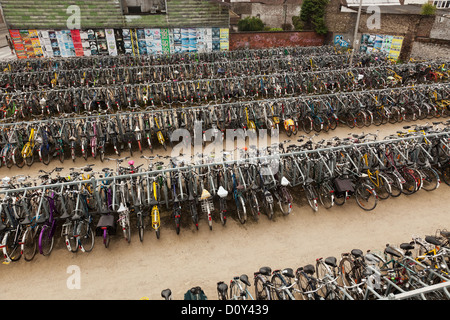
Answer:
(356, 32)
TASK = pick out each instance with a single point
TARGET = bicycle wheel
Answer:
(430, 179)
(11, 249)
(383, 189)
(326, 196)
(235, 292)
(307, 124)
(345, 268)
(395, 184)
(285, 202)
(86, 236)
(241, 209)
(46, 241)
(277, 283)
(366, 197)
(410, 184)
(141, 227)
(445, 173)
(254, 206)
(312, 198)
(261, 290)
(29, 245)
(303, 285)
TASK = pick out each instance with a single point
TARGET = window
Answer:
(138, 7)
(442, 4)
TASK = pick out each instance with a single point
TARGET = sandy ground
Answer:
(204, 257)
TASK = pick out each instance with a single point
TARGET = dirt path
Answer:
(204, 257)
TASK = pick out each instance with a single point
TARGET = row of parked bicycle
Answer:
(72, 63)
(126, 74)
(240, 183)
(414, 270)
(20, 104)
(28, 142)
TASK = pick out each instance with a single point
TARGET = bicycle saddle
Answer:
(76, 216)
(309, 269)
(205, 195)
(433, 240)
(222, 287)
(288, 272)
(222, 192)
(392, 252)
(131, 163)
(267, 271)
(244, 279)
(357, 253)
(166, 293)
(65, 215)
(284, 182)
(331, 261)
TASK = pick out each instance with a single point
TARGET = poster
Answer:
(71, 43)
(111, 42)
(102, 44)
(224, 39)
(18, 44)
(141, 41)
(128, 46)
(165, 43)
(390, 45)
(92, 40)
(396, 47)
(77, 44)
(46, 45)
(215, 39)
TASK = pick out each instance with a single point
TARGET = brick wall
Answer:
(257, 40)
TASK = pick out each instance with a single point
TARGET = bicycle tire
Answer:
(86, 236)
(396, 186)
(346, 266)
(261, 290)
(141, 227)
(241, 210)
(366, 197)
(445, 173)
(11, 249)
(430, 179)
(277, 283)
(46, 241)
(18, 158)
(235, 293)
(29, 245)
(326, 196)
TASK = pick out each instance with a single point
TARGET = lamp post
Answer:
(356, 32)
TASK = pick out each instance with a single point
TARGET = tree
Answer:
(250, 24)
(428, 9)
(312, 15)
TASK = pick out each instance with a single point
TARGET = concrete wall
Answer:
(441, 28)
(430, 50)
(273, 15)
(51, 14)
(258, 40)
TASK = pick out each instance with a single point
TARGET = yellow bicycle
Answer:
(156, 218)
(28, 148)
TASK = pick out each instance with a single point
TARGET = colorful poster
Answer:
(92, 40)
(28, 45)
(46, 45)
(36, 43)
(18, 44)
(141, 41)
(177, 40)
(54, 43)
(77, 44)
(165, 41)
(111, 42)
(119, 41)
(184, 40)
(127, 44)
(396, 47)
(215, 39)
(386, 47)
(224, 39)
(102, 44)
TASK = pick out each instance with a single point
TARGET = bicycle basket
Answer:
(342, 185)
